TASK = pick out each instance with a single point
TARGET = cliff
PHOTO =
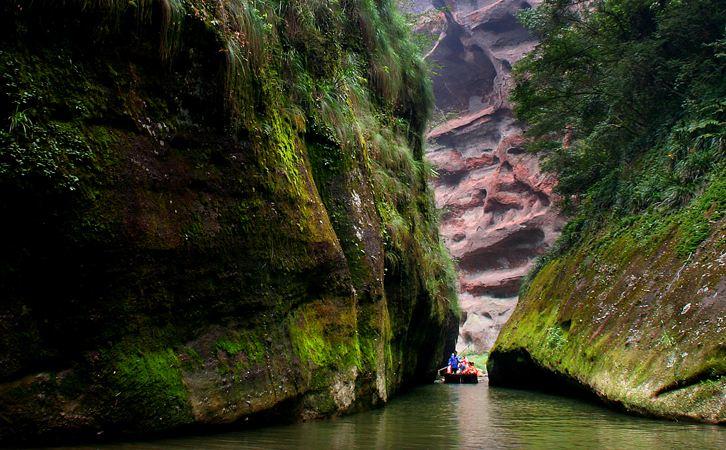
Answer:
(631, 315)
(624, 103)
(498, 213)
(214, 213)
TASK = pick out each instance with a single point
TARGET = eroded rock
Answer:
(497, 205)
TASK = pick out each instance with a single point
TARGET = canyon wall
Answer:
(214, 213)
(629, 306)
(629, 317)
(498, 213)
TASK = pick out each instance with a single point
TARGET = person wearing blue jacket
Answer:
(453, 363)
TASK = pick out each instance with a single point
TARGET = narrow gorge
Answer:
(497, 204)
(255, 223)
(628, 305)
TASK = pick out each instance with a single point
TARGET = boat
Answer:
(461, 378)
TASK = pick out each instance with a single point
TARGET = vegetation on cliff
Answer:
(625, 100)
(215, 209)
(637, 87)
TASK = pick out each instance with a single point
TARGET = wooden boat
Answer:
(460, 378)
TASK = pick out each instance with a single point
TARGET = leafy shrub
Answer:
(625, 103)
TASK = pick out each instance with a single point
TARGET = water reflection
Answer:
(467, 416)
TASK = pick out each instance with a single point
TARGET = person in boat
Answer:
(463, 364)
(471, 370)
(453, 363)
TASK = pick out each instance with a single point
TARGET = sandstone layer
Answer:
(498, 213)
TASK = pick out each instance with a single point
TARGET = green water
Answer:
(467, 416)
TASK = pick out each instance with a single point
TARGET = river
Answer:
(466, 416)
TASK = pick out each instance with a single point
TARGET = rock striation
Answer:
(498, 213)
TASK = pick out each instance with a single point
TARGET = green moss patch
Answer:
(323, 334)
(629, 316)
(151, 388)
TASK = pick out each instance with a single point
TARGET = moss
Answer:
(325, 336)
(695, 223)
(180, 166)
(190, 359)
(616, 314)
(246, 343)
(374, 337)
(556, 338)
(151, 387)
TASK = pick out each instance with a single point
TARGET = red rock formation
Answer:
(497, 204)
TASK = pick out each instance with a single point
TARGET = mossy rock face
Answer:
(214, 212)
(630, 316)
